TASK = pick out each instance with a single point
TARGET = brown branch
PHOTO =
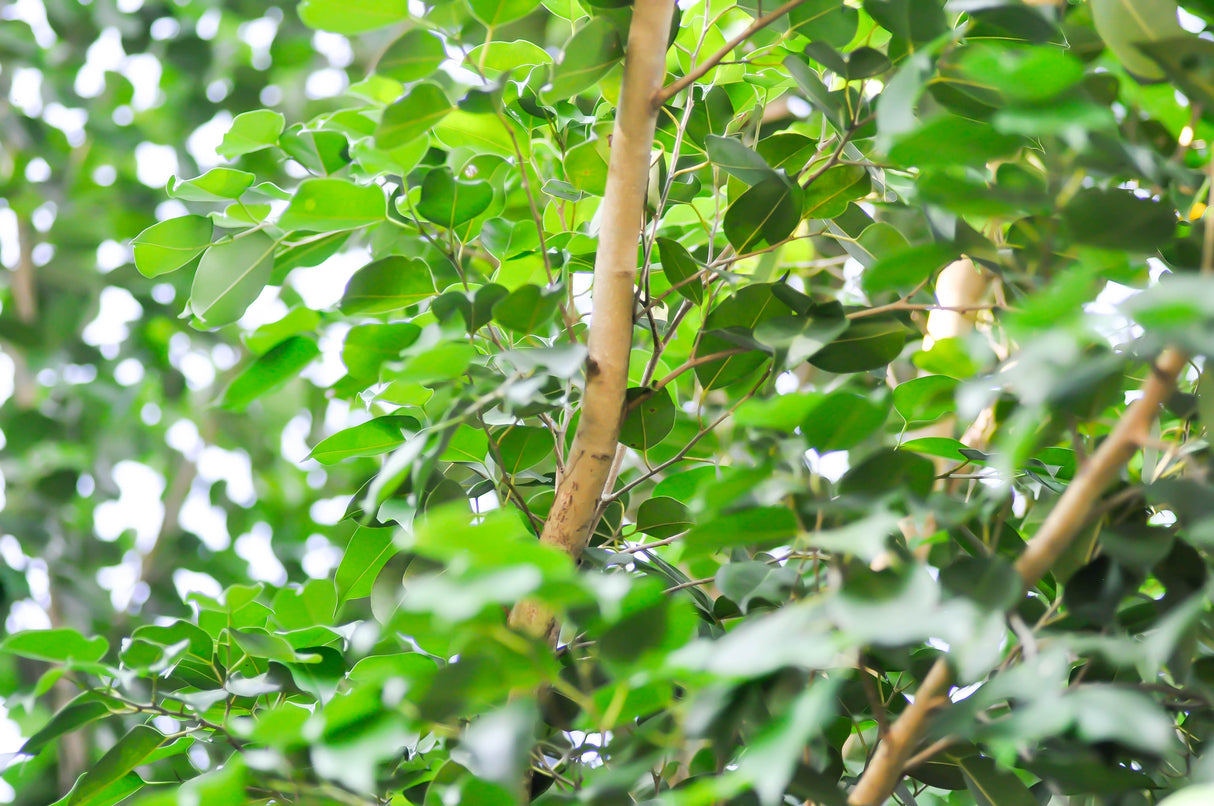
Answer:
(609, 344)
(697, 72)
(885, 769)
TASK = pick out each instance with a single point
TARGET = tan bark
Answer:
(1065, 520)
(571, 519)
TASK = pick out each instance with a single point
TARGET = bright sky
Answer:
(138, 507)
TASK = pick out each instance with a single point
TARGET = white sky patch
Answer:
(320, 557)
(138, 506)
(206, 138)
(111, 255)
(831, 465)
(69, 120)
(334, 47)
(154, 164)
(143, 71)
(330, 368)
(164, 28)
(294, 444)
(37, 170)
(187, 582)
(170, 208)
(329, 511)
(25, 93)
(198, 370)
(183, 437)
(104, 55)
(118, 309)
(33, 13)
(208, 24)
(326, 83)
(786, 383)
(256, 550)
(231, 467)
(1191, 22)
(208, 522)
(123, 583)
(322, 286)
(26, 614)
(9, 247)
(265, 309)
(43, 217)
(128, 372)
(7, 370)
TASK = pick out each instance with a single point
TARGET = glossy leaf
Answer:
(230, 276)
(171, 244)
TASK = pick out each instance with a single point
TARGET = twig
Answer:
(673, 89)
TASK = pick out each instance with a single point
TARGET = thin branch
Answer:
(697, 72)
(1053, 537)
(609, 343)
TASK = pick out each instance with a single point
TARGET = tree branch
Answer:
(697, 72)
(885, 769)
(571, 519)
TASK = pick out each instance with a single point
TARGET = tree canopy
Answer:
(586, 401)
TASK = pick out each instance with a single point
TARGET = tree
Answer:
(726, 404)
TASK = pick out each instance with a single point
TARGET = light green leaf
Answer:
(1126, 24)
(217, 184)
(587, 57)
(764, 215)
(494, 12)
(369, 550)
(171, 244)
(352, 16)
(56, 646)
(415, 55)
(449, 201)
(282, 363)
(251, 131)
(230, 276)
(422, 107)
(326, 204)
(127, 754)
(387, 285)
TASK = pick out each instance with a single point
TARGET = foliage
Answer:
(794, 531)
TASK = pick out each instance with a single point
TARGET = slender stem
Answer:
(697, 72)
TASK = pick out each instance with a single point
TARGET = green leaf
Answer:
(251, 131)
(908, 268)
(371, 438)
(500, 57)
(842, 420)
(953, 140)
(485, 134)
(889, 471)
(744, 582)
(1118, 219)
(992, 786)
(761, 527)
(662, 516)
(217, 184)
(1127, 25)
(737, 160)
(326, 204)
(56, 646)
(387, 285)
(171, 244)
(495, 12)
(275, 368)
(127, 754)
(828, 195)
(868, 343)
(83, 709)
(449, 201)
(230, 276)
(421, 108)
(588, 55)
(354, 16)
(764, 215)
(369, 550)
(368, 347)
(521, 447)
(825, 21)
(415, 55)
(526, 308)
(649, 419)
(680, 267)
(925, 400)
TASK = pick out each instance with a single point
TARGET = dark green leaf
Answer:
(275, 368)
